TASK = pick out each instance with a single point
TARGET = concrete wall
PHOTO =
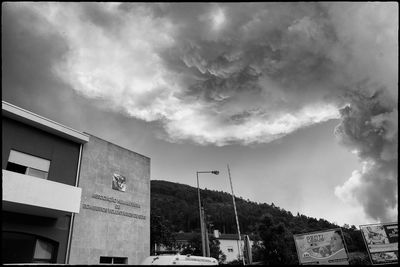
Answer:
(31, 195)
(98, 230)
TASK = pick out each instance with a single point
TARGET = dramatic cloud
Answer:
(370, 127)
(211, 73)
(369, 124)
(223, 73)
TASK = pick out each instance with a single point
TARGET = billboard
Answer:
(322, 247)
(381, 240)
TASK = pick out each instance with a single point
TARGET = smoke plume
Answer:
(369, 127)
(242, 73)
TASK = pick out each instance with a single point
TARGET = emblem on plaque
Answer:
(119, 182)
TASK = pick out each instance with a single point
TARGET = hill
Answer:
(178, 203)
(176, 206)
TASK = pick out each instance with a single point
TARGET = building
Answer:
(70, 197)
(229, 245)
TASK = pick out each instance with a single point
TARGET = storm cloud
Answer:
(240, 73)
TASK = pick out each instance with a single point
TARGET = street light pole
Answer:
(201, 212)
(201, 218)
(206, 234)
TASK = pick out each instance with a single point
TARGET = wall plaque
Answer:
(119, 182)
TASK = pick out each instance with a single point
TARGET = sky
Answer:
(299, 99)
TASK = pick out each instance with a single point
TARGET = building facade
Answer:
(113, 223)
(233, 248)
(70, 197)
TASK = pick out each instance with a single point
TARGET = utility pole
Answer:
(237, 220)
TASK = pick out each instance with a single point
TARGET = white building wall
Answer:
(230, 249)
(32, 195)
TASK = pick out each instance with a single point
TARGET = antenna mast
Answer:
(236, 216)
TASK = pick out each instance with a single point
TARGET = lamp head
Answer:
(215, 172)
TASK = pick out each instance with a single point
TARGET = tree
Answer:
(160, 232)
(193, 247)
(278, 244)
(215, 251)
(257, 251)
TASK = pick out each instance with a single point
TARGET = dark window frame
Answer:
(22, 169)
(113, 260)
(34, 237)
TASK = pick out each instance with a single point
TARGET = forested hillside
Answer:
(178, 203)
(174, 207)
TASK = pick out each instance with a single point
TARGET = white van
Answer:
(179, 260)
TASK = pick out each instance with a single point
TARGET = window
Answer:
(27, 248)
(28, 164)
(105, 259)
(230, 249)
(43, 251)
(120, 260)
(114, 260)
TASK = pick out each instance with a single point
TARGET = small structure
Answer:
(229, 245)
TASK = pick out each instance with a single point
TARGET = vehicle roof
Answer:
(179, 259)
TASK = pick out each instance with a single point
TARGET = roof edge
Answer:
(45, 124)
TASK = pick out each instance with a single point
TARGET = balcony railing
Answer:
(27, 194)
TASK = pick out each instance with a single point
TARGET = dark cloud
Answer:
(369, 126)
(285, 43)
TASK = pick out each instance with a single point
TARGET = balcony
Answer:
(27, 194)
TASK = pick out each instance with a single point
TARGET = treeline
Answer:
(174, 208)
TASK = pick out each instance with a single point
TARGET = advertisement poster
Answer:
(323, 247)
(382, 242)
